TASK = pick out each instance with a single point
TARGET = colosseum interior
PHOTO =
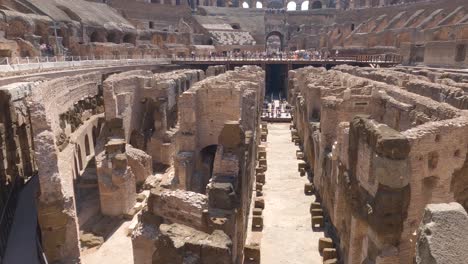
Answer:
(234, 131)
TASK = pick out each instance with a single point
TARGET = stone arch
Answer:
(113, 37)
(129, 38)
(245, 5)
(316, 5)
(277, 34)
(87, 146)
(291, 6)
(96, 36)
(305, 5)
(258, 4)
(220, 3)
(206, 165)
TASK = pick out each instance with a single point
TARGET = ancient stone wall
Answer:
(148, 104)
(219, 209)
(384, 137)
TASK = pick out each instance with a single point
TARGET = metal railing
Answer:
(381, 58)
(8, 199)
(54, 59)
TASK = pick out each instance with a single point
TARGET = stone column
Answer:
(117, 189)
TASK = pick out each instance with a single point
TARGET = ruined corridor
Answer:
(287, 233)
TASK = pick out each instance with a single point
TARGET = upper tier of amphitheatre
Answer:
(233, 132)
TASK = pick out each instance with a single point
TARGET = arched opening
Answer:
(316, 5)
(177, 2)
(259, 5)
(245, 5)
(155, 1)
(236, 26)
(87, 147)
(207, 157)
(113, 37)
(305, 5)
(352, 27)
(80, 159)
(220, 3)
(274, 42)
(291, 6)
(129, 38)
(94, 37)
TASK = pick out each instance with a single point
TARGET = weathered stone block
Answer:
(301, 165)
(259, 203)
(259, 186)
(442, 235)
(262, 155)
(317, 221)
(252, 254)
(329, 253)
(315, 205)
(309, 188)
(316, 212)
(330, 261)
(324, 242)
(260, 178)
(302, 172)
(262, 163)
(119, 162)
(221, 195)
(299, 154)
(257, 221)
(257, 211)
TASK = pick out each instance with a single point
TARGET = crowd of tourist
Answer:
(268, 55)
(276, 109)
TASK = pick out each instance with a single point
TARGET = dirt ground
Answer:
(116, 250)
(287, 236)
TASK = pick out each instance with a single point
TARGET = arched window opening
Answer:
(352, 27)
(94, 37)
(207, 157)
(129, 38)
(80, 159)
(245, 5)
(291, 6)
(259, 5)
(316, 5)
(87, 147)
(274, 43)
(305, 5)
(112, 37)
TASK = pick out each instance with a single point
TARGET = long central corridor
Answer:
(287, 234)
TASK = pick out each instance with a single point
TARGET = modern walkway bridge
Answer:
(375, 61)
